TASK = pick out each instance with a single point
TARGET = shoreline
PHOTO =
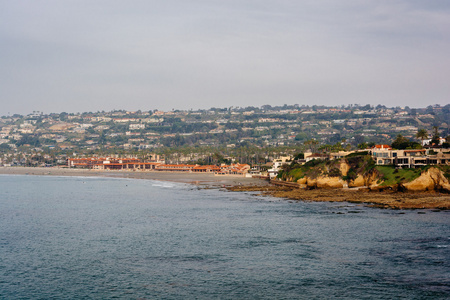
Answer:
(380, 199)
(205, 180)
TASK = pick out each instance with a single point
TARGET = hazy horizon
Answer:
(79, 56)
(210, 108)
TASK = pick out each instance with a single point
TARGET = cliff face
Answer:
(371, 180)
(323, 181)
(432, 179)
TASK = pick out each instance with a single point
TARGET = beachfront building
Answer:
(206, 169)
(134, 164)
(94, 162)
(233, 169)
(143, 166)
(175, 168)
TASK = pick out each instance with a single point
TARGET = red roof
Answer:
(382, 147)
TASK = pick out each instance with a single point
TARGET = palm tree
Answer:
(436, 130)
(314, 144)
(435, 138)
(422, 134)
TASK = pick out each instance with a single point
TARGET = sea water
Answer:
(103, 238)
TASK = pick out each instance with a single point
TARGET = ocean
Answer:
(110, 238)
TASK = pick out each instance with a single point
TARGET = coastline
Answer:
(380, 199)
(205, 180)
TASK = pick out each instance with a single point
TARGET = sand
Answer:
(206, 180)
(384, 199)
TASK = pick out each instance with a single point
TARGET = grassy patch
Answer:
(359, 164)
(296, 174)
(446, 171)
(311, 169)
(392, 176)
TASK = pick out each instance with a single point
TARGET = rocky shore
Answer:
(380, 198)
(383, 198)
(204, 180)
(357, 179)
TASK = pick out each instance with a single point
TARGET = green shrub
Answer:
(334, 172)
(363, 153)
(313, 163)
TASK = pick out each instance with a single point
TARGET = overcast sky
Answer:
(89, 55)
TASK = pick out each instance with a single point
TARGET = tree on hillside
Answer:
(312, 145)
(422, 134)
(363, 146)
(446, 144)
(400, 142)
(435, 138)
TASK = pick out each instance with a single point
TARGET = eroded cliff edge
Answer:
(361, 172)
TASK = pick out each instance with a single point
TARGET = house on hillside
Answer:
(313, 156)
(409, 158)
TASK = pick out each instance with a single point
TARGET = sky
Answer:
(103, 55)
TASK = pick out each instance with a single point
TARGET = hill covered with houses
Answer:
(257, 136)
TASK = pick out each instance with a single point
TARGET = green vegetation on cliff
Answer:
(360, 164)
(311, 169)
(445, 171)
(357, 165)
(392, 176)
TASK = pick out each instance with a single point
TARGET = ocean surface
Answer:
(106, 238)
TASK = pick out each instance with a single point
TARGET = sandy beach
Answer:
(393, 200)
(201, 179)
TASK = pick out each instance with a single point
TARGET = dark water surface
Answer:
(103, 238)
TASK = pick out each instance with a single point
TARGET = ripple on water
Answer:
(98, 238)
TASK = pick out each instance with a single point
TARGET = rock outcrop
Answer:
(326, 176)
(370, 180)
(344, 167)
(325, 182)
(431, 180)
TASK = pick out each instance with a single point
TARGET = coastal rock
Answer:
(365, 180)
(344, 167)
(372, 180)
(311, 183)
(302, 180)
(358, 182)
(325, 182)
(431, 180)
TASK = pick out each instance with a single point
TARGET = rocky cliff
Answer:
(369, 179)
(431, 180)
(346, 173)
